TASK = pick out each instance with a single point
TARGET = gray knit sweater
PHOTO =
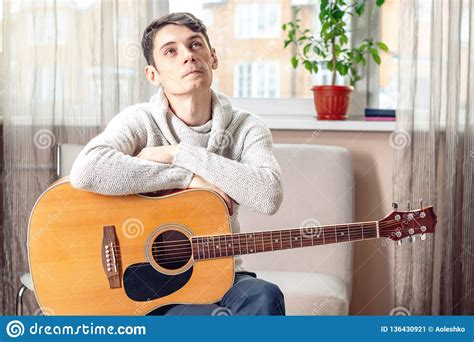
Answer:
(233, 151)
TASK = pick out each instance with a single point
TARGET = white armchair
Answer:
(318, 189)
(318, 185)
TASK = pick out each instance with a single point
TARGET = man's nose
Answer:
(188, 55)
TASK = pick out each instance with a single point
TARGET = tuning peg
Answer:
(408, 206)
(422, 237)
(399, 242)
(395, 205)
(411, 238)
(421, 203)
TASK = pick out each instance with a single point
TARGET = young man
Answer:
(189, 136)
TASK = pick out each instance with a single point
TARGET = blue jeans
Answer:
(249, 296)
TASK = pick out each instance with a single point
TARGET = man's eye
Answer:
(169, 51)
(196, 44)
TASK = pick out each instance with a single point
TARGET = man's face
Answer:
(183, 60)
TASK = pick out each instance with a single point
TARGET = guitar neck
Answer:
(218, 246)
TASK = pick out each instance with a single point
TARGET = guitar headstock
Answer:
(401, 224)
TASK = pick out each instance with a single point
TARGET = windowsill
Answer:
(305, 122)
(310, 123)
(302, 116)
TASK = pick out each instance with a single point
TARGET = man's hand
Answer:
(198, 182)
(159, 154)
(166, 154)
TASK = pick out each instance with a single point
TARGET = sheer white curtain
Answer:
(434, 157)
(67, 68)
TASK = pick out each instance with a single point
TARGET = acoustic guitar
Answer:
(93, 254)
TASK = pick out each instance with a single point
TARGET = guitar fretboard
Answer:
(218, 246)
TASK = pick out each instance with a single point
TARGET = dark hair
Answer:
(179, 18)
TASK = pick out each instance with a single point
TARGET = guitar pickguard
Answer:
(142, 282)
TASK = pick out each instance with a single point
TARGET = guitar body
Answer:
(92, 254)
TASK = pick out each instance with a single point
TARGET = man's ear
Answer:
(152, 75)
(215, 61)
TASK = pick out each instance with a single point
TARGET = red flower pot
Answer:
(331, 102)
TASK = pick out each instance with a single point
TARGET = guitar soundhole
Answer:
(171, 250)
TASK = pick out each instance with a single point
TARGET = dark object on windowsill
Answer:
(375, 114)
(378, 113)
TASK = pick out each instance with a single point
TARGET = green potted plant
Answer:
(330, 49)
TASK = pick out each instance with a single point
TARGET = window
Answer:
(54, 29)
(256, 79)
(257, 20)
(388, 70)
(247, 36)
(46, 80)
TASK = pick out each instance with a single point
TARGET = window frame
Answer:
(366, 91)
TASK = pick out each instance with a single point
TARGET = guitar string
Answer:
(346, 226)
(186, 257)
(285, 244)
(266, 239)
(329, 234)
(368, 229)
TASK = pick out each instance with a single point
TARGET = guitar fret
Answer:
(198, 249)
(319, 236)
(213, 246)
(194, 245)
(267, 239)
(263, 243)
(370, 233)
(341, 234)
(197, 256)
(206, 242)
(285, 238)
(235, 243)
(240, 244)
(249, 248)
(243, 243)
(274, 239)
(218, 247)
(203, 247)
(307, 237)
(225, 245)
(207, 252)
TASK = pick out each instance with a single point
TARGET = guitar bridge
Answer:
(111, 256)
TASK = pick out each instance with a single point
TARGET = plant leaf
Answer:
(308, 66)
(375, 55)
(324, 4)
(382, 46)
(343, 40)
(306, 49)
(359, 8)
(294, 61)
